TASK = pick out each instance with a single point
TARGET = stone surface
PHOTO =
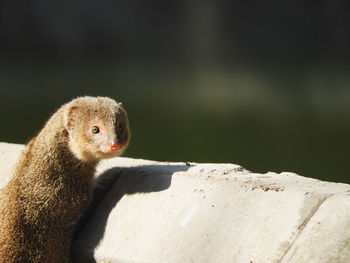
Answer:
(8, 157)
(145, 211)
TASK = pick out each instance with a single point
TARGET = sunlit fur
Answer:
(53, 178)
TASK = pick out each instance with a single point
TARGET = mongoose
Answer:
(52, 181)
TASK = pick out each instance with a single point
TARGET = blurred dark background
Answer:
(263, 84)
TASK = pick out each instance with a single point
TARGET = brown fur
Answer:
(52, 182)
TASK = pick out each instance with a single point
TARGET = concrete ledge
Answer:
(145, 211)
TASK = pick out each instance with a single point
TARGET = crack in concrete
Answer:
(303, 224)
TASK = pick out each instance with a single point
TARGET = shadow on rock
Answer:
(112, 185)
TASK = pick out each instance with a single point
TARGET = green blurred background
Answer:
(263, 84)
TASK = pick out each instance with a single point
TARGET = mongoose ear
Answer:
(70, 117)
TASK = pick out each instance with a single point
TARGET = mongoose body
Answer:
(52, 181)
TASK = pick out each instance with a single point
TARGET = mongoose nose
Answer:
(115, 146)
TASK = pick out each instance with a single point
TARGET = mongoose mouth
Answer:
(115, 146)
(114, 150)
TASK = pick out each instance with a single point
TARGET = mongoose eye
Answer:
(95, 130)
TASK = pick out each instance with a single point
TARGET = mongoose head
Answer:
(98, 127)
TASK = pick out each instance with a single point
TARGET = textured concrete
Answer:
(145, 211)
